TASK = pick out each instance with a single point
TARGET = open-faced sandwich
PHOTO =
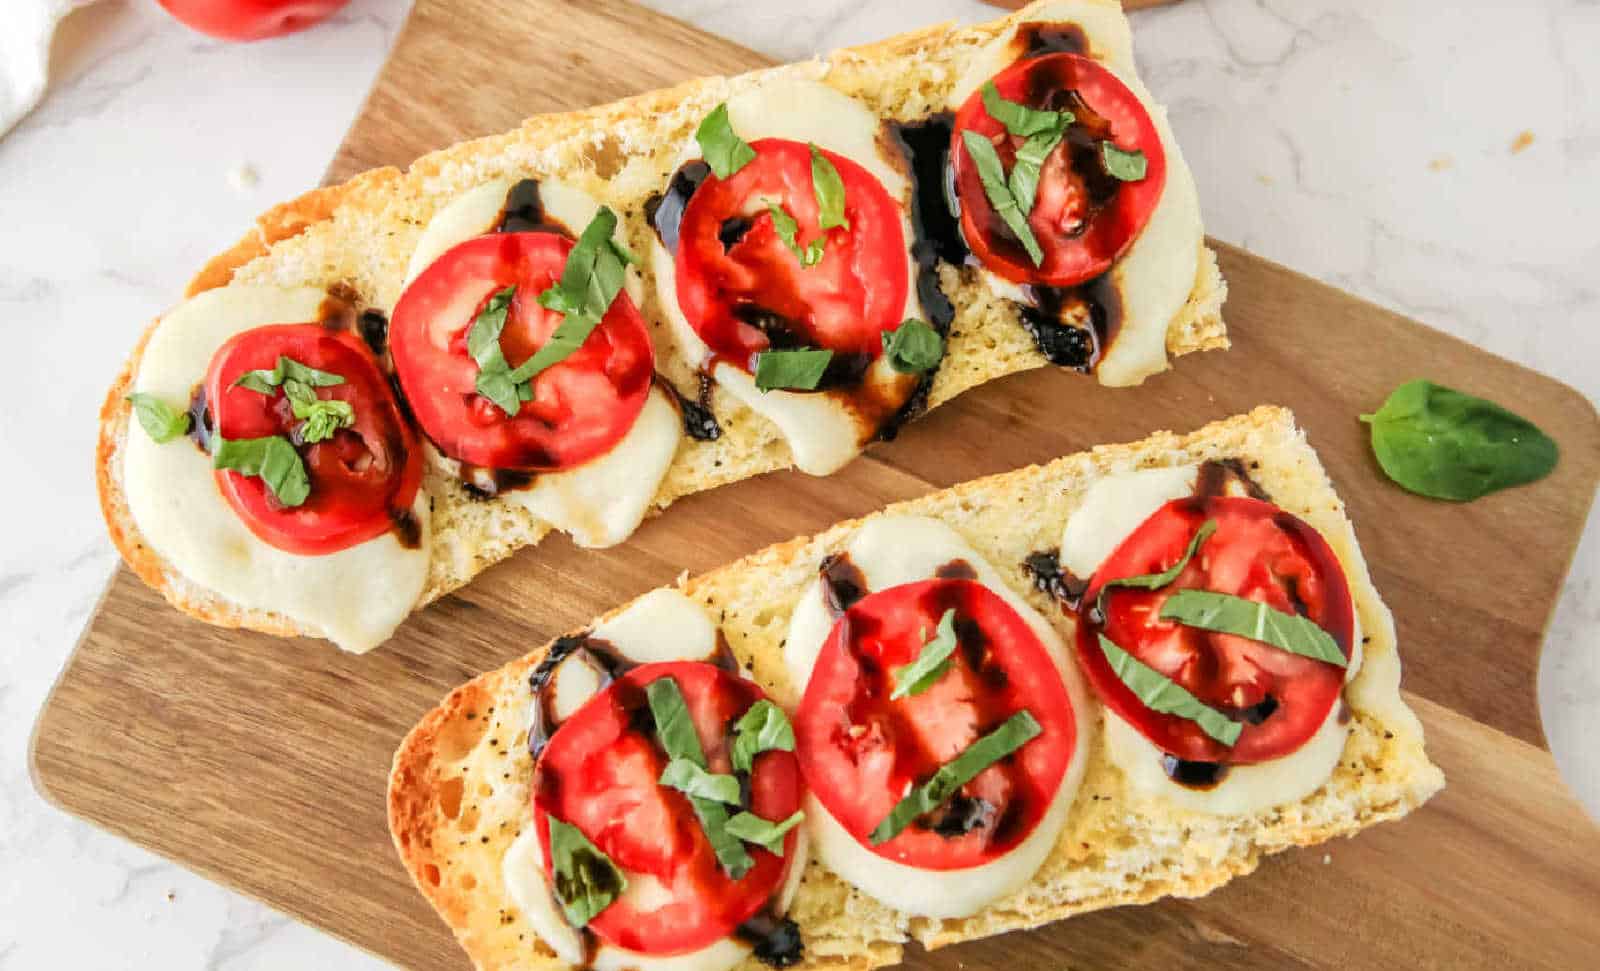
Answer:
(1127, 674)
(392, 383)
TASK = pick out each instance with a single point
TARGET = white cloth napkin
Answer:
(26, 27)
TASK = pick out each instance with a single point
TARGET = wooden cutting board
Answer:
(261, 763)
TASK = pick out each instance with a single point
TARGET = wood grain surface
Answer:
(262, 762)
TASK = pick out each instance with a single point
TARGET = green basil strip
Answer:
(789, 231)
(322, 417)
(1024, 183)
(675, 730)
(1012, 734)
(800, 370)
(829, 189)
(272, 458)
(586, 881)
(913, 347)
(1155, 581)
(483, 344)
(720, 145)
(1446, 444)
(993, 176)
(692, 780)
(1126, 166)
(764, 833)
(761, 729)
(932, 661)
(287, 369)
(1160, 693)
(593, 276)
(1020, 119)
(160, 421)
(1227, 614)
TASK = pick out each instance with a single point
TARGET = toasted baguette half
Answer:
(358, 236)
(458, 792)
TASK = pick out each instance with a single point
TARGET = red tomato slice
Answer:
(581, 407)
(1082, 217)
(250, 19)
(743, 290)
(1258, 552)
(361, 479)
(861, 752)
(599, 773)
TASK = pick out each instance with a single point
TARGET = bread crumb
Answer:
(1327, 858)
(1521, 142)
(1440, 163)
(244, 177)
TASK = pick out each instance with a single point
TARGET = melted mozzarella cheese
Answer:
(823, 433)
(889, 551)
(662, 625)
(1155, 275)
(601, 502)
(355, 597)
(1112, 509)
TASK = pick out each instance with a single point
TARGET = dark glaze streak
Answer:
(407, 529)
(958, 816)
(842, 583)
(665, 210)
(1345, 713)
(1073, 326)
(373, 327)
(482, 483)
(200, 424)
(722, 656)
(1194, 775)
(523, 212)
(1253, 715)
(1216, 473)
(774, 940)
(1044, 568)
(733, 230)
(599, 654)
(699, 422)
(1038, 39)
(338, 310)
(956, 569)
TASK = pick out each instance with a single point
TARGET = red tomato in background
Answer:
(250, 19)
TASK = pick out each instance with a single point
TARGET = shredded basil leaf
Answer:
(1020, 119)
(1012, 734)
(799, 370)
(931, 662)
(764, 833)
(1446, 444)
(483, 344)
(761, 729)
(829, 189)
(913, 347)
(322, 417)
(991, 172)
(272, 458)
(720, 145)
(693, 780)
(160, 421)
(1227, 614)
(676, 732)
(586, 881)
(1126, 166)
(1160, 693)
(789, 231)
(1024, 183)
(1155, 581)
(287, 369)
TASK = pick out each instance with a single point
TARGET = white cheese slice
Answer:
(355, 597)
(889, 551)
(662, 625)
(823, 433)
(1156, 274)
(601, 502)
(1112, 509)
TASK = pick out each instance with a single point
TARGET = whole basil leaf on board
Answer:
(1446, 444)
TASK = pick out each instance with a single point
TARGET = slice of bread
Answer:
(358, 237)
(458, 792)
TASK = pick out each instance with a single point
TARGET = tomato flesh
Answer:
(599, 773)
(581, 406)
(1259, 552)
(743, 290)
(361, 478)
(862, 751)
(1083, 218)
(250, 19)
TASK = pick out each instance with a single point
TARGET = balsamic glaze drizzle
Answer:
(523, 212)
(665, 210)
(1044, 568)
(699, 421)
(1193, 775)
(843, 583)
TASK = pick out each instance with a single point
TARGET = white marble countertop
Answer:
(1378, 146)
